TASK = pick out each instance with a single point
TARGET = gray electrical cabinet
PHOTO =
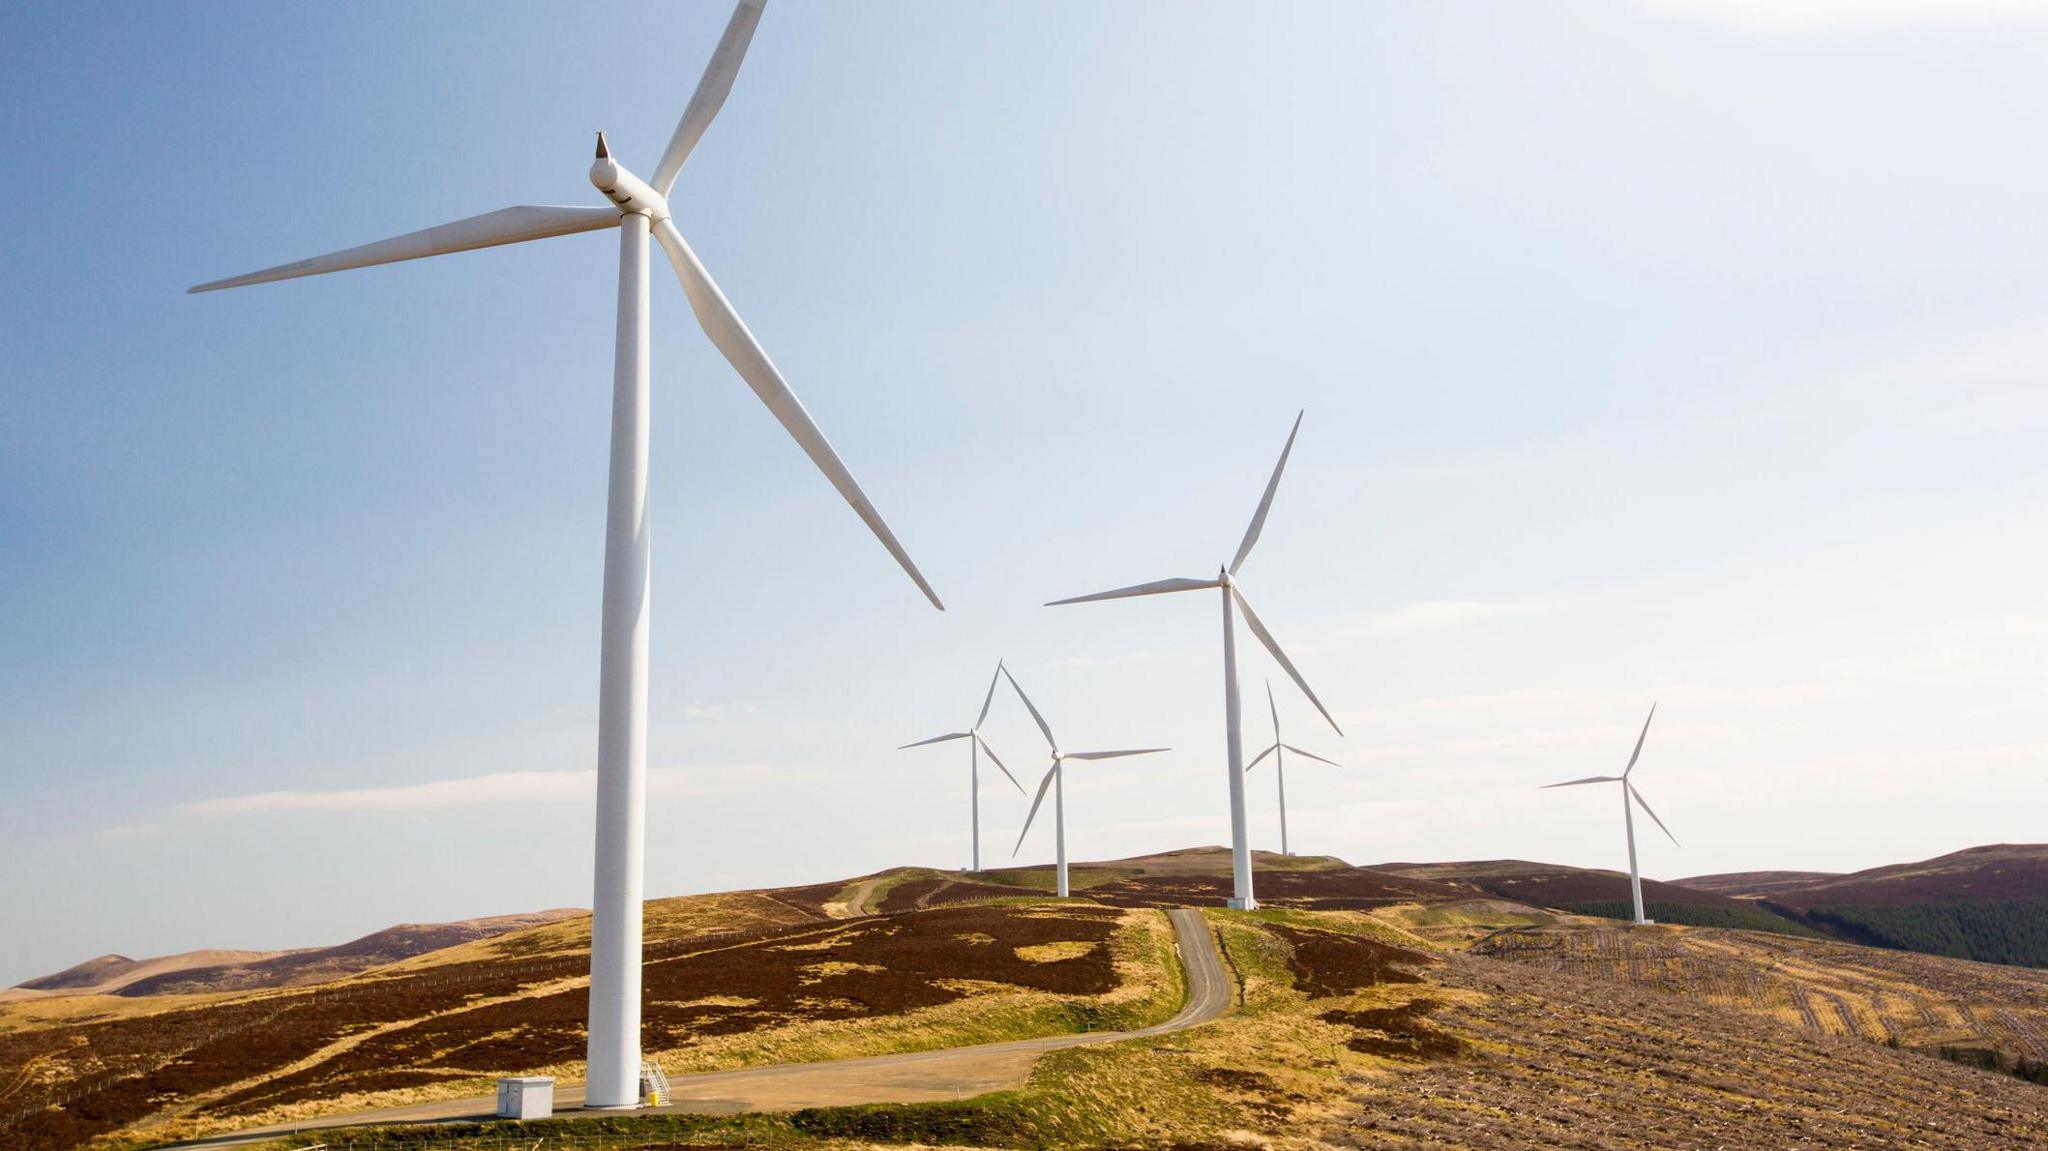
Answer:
(526, 1097)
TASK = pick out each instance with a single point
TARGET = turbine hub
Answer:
(633, 195)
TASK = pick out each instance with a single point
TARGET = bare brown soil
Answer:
(921, 893)
(1900, 998)
(1559, 1060)
(1327, 963)
(1401, 1032)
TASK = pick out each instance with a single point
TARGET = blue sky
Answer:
(1687, 350)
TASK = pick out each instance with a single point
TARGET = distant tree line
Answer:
(2013, 931)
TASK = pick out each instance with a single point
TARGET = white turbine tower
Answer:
(1279, 752)
(1628, 819)
(639, 208)
(1055, 778)
(975, 746)
(1226, 579)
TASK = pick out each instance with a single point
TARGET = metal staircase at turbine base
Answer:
(654, 1088)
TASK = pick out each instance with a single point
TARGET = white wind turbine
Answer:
(639, 208)
(975, 746)
(1628, 791)
(1055, 778)
(1226, 579)
(1278, 751)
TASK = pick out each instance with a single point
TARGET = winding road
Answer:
(912, 1077)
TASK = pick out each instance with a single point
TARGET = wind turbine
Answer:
(975, 746)
(1055, 778)
(639, 208)
(1226, 579)
(1628, 791)
(1278, 752)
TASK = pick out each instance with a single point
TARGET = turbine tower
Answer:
(975, 746)
(1055, 778)
(1234, 602)
(1628, 819)
(639, 209)
(1278, 751)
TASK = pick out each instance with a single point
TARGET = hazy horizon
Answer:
(1684, 351)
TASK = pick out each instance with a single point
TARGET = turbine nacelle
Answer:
(632, 194)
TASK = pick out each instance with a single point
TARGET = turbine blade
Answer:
(1275, 709)
(1638, 797)
(715, 314)
(1311, 755)
(1262, 755)
(998, 762)
(938, 739)
(504, 226)
(1030, 707)
(990, 697)
(1116, 754)
(1251, 534)
(1637, 753)
(1588, 779)
(1042, 785)
(1251, 619)
(712, 89)
(1156, 587)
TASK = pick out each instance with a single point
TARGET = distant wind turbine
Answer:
(1278, 752)
(1628, 791)
(975, 746)
(1226, 579)
(639, 209)
(1055, 778)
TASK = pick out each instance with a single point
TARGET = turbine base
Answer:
(1241, 904)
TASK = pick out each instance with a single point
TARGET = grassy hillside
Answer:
(1376, 1007)
(446, 1025)
(1352, 1032)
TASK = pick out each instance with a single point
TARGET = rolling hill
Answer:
(1397, 1006)
(1986, 903)
(1754, 884)
(1582, 891)
(210, 972)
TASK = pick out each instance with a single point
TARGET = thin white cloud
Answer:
(502, 788)
(496, 788)
(1783, 17)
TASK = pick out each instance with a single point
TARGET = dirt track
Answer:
(917, 1077)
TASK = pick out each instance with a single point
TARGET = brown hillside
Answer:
(1987, 874)
(1200, 876)
(109, 973)
(1755, 884)
(1548, 884)
(321, 964)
